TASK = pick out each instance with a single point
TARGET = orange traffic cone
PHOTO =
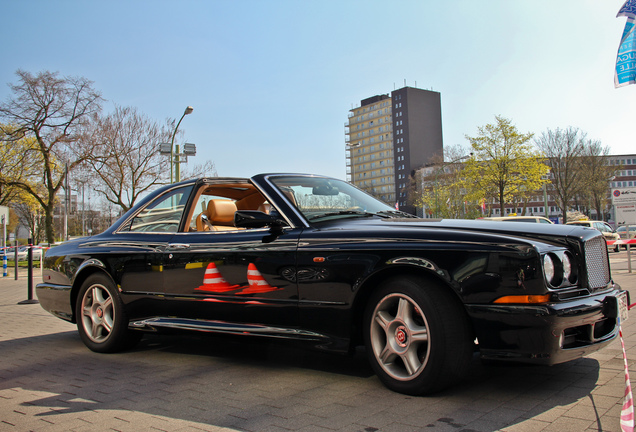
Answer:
(257, 282)
(213, 281)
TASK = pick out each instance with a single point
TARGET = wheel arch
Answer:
(87, 269)
(373, 283)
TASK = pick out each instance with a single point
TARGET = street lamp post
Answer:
(173, 161)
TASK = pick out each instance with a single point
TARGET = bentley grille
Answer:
(597, 263)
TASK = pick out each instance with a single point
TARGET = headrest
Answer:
(221, 211)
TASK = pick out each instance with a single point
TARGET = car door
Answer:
(135, 251)
(233, 276)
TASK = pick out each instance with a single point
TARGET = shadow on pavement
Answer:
(234, 382)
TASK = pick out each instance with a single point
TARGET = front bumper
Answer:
(548, 333)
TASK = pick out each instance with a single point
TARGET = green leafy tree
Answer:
(504, 165)
(16, 161)
(54, 112)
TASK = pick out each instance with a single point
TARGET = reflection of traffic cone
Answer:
(258, 284)
(213, 281)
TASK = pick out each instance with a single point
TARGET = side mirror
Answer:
(257, 219)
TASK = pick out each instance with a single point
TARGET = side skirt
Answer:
(159, 323)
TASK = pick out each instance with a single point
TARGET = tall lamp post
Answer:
(187, 111)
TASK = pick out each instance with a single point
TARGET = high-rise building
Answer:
(389, 137)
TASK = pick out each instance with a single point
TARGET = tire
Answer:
(417, 336)
(102, 322)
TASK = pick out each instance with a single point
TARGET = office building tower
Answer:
(388, 137)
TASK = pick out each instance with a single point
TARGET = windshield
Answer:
(321, 199)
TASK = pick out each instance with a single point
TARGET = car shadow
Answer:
(255, 351)
(227, 379)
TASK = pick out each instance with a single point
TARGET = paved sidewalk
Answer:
(49, 381)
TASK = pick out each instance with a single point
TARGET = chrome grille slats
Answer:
(596, 262)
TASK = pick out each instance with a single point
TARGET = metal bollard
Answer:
(30, 299)
(15, 262)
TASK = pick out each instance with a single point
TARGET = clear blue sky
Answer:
(271, 82)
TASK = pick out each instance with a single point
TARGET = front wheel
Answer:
(417, 335)
(101, 320)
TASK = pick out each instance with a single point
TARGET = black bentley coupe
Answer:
(315, 260)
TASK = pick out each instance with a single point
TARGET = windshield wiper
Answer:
(395, 213)
(342, 213)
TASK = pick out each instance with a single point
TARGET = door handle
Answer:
(178, 246)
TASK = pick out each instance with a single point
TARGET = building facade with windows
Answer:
(388, 137)
(544, 202)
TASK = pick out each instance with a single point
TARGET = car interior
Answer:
(216, 204)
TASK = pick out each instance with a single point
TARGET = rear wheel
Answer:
(417, 336)
(101, 320)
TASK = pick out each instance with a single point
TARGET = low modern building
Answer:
(388, 137)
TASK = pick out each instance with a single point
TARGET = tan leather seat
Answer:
(265, 207)
(220, 214)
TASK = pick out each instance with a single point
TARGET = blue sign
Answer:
(626, 57)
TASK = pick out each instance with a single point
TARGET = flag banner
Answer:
(628, 9)
(626, 57)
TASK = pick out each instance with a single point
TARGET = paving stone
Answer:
(50, 382)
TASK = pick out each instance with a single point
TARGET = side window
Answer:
(163, 214)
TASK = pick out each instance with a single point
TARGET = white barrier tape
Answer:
(627, 412)
(620, 242)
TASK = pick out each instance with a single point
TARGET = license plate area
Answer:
(623, 306)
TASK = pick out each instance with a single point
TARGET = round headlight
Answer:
(548, 268)
(567, 267)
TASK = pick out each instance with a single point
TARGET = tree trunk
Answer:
(48, 225)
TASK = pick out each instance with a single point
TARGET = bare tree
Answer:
(126, 155)
(437, 186)
(563, 150)
(31, 217)
(206, 169)
(55, 112)
(598, 173)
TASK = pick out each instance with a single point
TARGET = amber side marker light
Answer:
(524, 299)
